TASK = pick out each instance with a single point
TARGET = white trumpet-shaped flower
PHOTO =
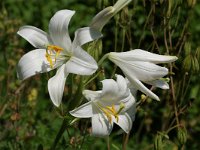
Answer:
(113, 104)
(56, 50)
(107, 13)
(139, 65)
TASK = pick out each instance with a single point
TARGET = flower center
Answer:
(52, 52)
(110, 111)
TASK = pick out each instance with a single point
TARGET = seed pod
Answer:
(195, 64)
(187, 48)
(191, 3)
(170, 4)
(158, 142)
(182, 136)
(187, 63)
(95, 49)
(198, 53)
(124, 20)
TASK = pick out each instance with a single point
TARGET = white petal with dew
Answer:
(32, 63)
(56, 85)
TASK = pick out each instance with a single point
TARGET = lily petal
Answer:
(85, 35)
(32, 63)
(127, 101)
(121, 4)
(100, 125)
(99, 21)
(84, 111)
(110, 90)
(132, 111)
(144, 71)
(56, 85)
(131, 87)
(91, 95)
(159, 83)
(123, 89)
(81, 63)
(58, 29)
(141, 55)
(138, 85)
(34, 36)
(125, 122)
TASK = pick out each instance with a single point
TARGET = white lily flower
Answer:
(56, 50)
(113, 104)
(107, 13)
(139, 65)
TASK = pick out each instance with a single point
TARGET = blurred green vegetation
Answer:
(28, 120)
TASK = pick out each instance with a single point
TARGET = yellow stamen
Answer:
(49, 50)
(110, 110)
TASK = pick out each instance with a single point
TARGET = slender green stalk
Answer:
(125, 142)
(102, 59)
(59, 134)
(123, 39)
(108, 142)
(92, 78)
(171, 78)
(78, 95)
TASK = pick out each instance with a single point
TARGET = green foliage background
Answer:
(28, 120)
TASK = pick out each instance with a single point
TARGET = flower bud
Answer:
(182, 135)
(158, 142)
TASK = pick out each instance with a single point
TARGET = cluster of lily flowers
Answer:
(116, 102)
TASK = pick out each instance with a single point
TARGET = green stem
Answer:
(108, 143)
(123, 39)
(178, 125)
(102, 59)
(59, 134)
(92, 78)
(78, 96)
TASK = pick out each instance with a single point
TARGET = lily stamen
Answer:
(110, 110)
(49, 55)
